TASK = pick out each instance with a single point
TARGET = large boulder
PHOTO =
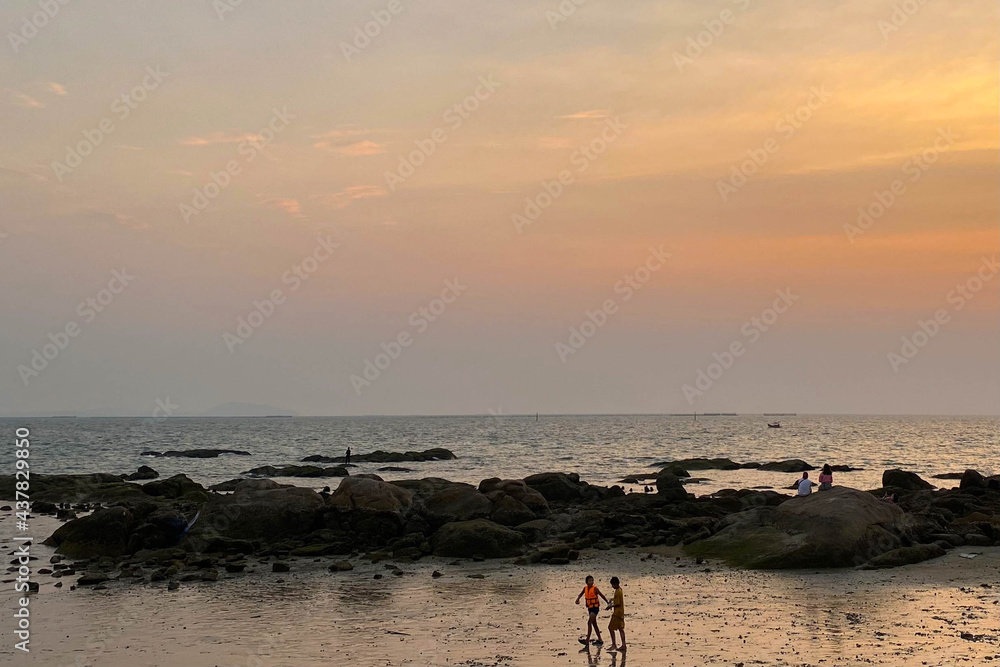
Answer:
(143, 473)
(789, 465)
(465, 539)
(298, 471)
(498, 489)
(557, 486)
(103, 533)
(841, 527)
(260, 509)
(457, 502)
(972, 479)
(907, 481)
(669, 486)
(362, 493)
(178, 487)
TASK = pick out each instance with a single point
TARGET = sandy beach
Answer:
(679, 613)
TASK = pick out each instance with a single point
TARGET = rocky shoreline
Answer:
(133, 531)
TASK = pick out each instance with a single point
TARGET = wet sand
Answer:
(678, 614)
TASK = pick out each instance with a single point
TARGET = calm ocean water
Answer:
(601, 448)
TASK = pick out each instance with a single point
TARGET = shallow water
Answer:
(678, 614)
(602, 449)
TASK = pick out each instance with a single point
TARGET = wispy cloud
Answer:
(345, 197)
(55, 88)
(585, 115)
(290, 206)
(25, 101)
(214, 138)
(356, 149)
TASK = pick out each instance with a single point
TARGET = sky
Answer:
(399, 207)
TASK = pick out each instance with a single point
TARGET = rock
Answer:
(341, 566)
(92, 578)
(904, 556)
(360, 493)
(228, 486)
(177, 487)
(144, 472)
(280, 567)
(43, 507)
(436, 575)
(510, 512)
(394, 469)
(977, 540)
(75, 489)
(789, 465)
(259, 509)
(972, 479)
(556, 486)
(380, 456)
(701, 464)
(103, 533)
(670, 487)
(173, 585)
(841, 527)
(535, 530)
(196, 453)
(950, 475)
(236, 566)
(843, 468)
(458, 502)
(298, 471)
(465, 539)
(907, 481)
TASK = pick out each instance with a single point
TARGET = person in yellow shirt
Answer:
(618, 615)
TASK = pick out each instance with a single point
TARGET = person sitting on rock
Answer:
(826, 478)
(591, 593)
(805, 485)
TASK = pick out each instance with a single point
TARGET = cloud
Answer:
(584, 115)
(221, 138)
(25, 101)
(359, 148)
(345, 141)
(343, 199)
(289, 206)
(55, 88)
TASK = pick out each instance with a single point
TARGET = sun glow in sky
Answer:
(846, 151)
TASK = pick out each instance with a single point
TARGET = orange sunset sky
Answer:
(647, 109)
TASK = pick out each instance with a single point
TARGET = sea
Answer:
(602, 449)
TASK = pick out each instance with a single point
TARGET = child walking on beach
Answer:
(618, 615)
(591, 594)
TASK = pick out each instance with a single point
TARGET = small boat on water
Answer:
(774, 424)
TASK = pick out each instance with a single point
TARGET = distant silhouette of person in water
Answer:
(805, 485)
(826, 478)
(347, 457)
